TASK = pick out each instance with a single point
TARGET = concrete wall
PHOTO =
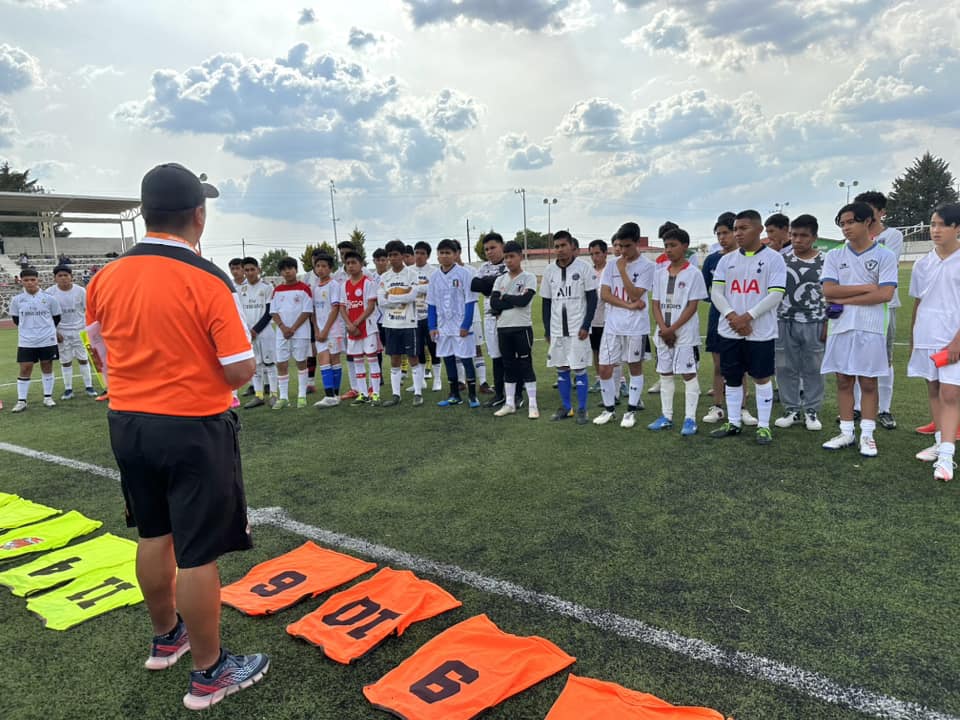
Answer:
(81, 245)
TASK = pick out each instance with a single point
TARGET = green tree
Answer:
(268, 263)
(535, 240)
(306, 259)
(358, 238)
(922, 187)
(478, 248)
(13, 181)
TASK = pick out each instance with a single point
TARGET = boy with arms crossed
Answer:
(291, 308)
(483, 283)
(73, 308)
(397, 295)
(36, 315)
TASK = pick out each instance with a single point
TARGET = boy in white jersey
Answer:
(450, 309)
(236, 273)
(255, 295)
(482, 283)
(935, 285)
(327, 328)
(397, 295)
(677, 288)
(569, 292)
(427, 348)
(747, 289)
(73, 308)
(340, 276)
(36, 315)
(892, 239)
(623, 287)
(291, 308)
(598, 254)
(358, 311)
(859, 278)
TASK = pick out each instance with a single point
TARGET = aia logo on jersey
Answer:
(871, 265)
(21, 542)
(745, 287)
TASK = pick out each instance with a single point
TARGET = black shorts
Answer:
(739, 357)
(35, 355)
(400, 341)
(182, 476)
(381, 331)
(596, 334)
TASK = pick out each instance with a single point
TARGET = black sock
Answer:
(498, 377)
(472, 388)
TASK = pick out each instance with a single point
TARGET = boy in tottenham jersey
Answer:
(677, 288)
(327, 328)
(73, 307)
(935, 287)
(747, 288)
(859, 278)
(397, 295)
(291, 308)
(36, 315)
(255, 296)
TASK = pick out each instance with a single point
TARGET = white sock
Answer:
(885, 391)
(692, 397)
(481, 365)
(303, 378)
(856, 395)
(846, 428)
(273, 378)
(667, 386)
(734, 404)
(867, 427)
(636, 390)
(284, 382)
(86, 375)
(764, 403)
(23, 387)
(937, 437)
(258, 381)
(358, 377)
(418, 379)
(66, 372)
(946, 451)
(531, 393)
(511, 391)
(374, 373)
(47, 380)
(617, 377)
(608, 391)
(396, 380)
(352, 372)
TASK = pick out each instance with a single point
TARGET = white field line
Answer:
(811, 684)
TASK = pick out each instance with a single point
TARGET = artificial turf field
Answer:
(833, 563)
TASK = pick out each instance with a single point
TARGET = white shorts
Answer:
(856, 352)
(571, 352)
(265, 347)
(490, 334)
(333, 344)
(461, 347)
(370, 345)
(71, 348)
(621, 348)
(921, 365)
(677, 360)
(299, 348)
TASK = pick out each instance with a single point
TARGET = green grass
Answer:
(831, 562)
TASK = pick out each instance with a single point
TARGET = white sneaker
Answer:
(943, 470)
(812, 421)
(654, 389)
(604, 417)
(746, 418)
(411, 389)
(533, 413)
(436, 387)
(789, 419)
(714, 415)
(629, 420)
(20, 406)
(327, 402)
(48, 402)
(929, 454)
(868, 446)
(505, 410)
(839, 442)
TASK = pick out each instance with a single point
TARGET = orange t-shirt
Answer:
(354, 621)
(277, 584)
(589, 699)
(465, 670)
(170, 321)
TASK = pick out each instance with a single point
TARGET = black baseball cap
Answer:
(171, 187)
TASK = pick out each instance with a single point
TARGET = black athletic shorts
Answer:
(739, 356)
(35, 355)
(182, 476)
(596, 334)
(713, 334)
(400, 341)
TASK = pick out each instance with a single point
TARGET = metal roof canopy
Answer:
(47, 210)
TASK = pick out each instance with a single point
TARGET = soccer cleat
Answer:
(90, 392)
(250, 391)
(392, 402)
(231, 674)
(427, 374)
(689, 427)
(255, 403)
(437, 387)
(812, 422)
(943, 470)
(533, 413)
(485, 389)
(661, 423)
(582, 418)
(868, 446)
(928, 429)
(272, 401)
(359, 400)
(311, 389)
(595, 388)
(375, 399)
(728, 429)
(886, 421)
(839, 442)
(505, 410)
(167, 649)
(327, 402)
(497, 401)
(48, 401)
(629, 419)
(624, 390)
(789, 419)
(450, 401)
(234, 402)
(67, 395)
(654, 389)
(350, 394)
(929, 454)
(417, 400)
(474, 403)
(411, 389)
(746, 418)
(604, 417)
(561, 414)
(301, 402)
(714, 415)
(280, 404)
(764, 436)
(20, 406)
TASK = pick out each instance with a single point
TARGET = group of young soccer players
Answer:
(779, 309)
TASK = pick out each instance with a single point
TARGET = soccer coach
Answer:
(176, 347)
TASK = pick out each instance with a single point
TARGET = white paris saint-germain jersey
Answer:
(34, 313)
(73, 308)
(746, 279)
(566, 288)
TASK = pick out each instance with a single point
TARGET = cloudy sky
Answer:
(428, 112)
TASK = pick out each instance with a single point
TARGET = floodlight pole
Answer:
(333, 213)
(522, 192)
(848, 184)
(548, 202)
